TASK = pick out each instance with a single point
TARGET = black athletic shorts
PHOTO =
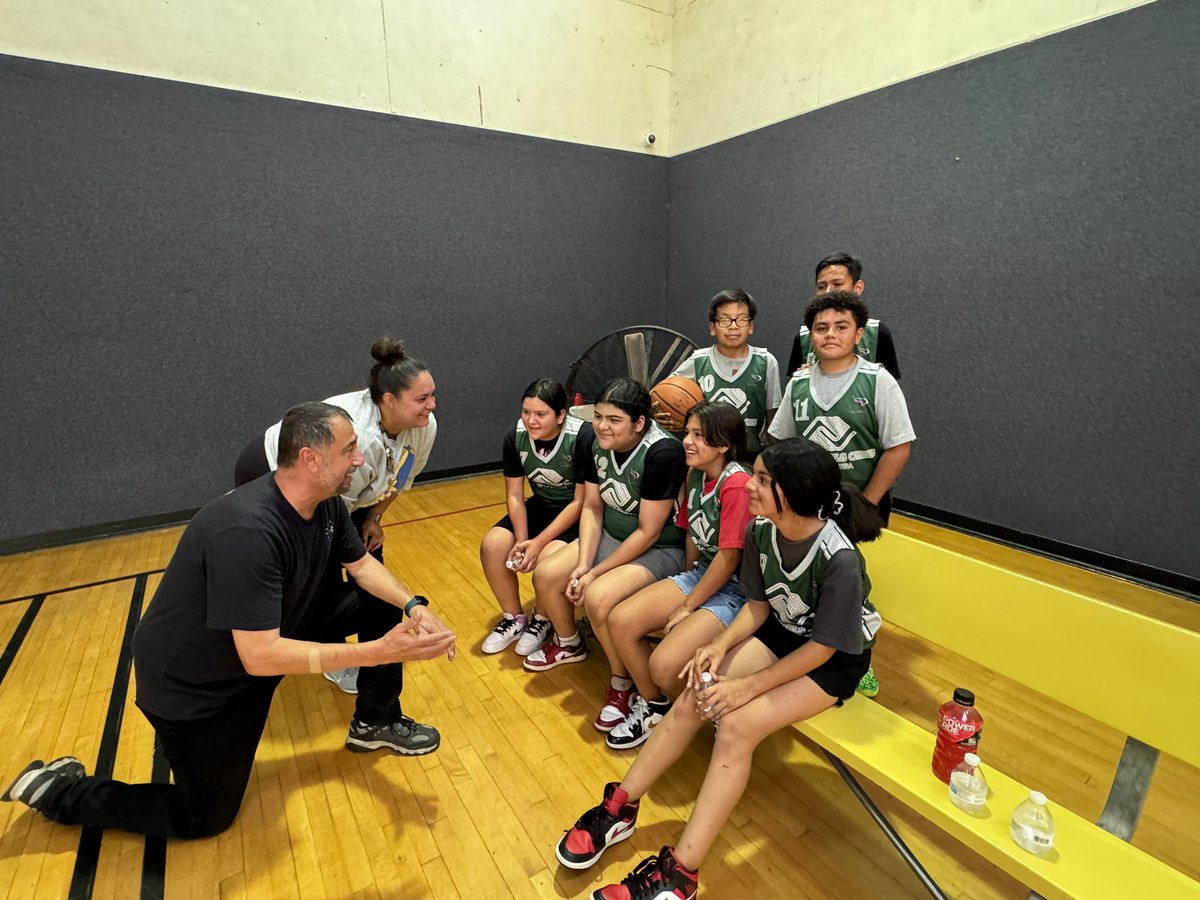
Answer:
(838, 677)
(539, 514)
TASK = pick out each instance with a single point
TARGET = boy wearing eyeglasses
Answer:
(733, 372)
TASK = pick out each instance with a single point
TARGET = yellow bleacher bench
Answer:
(1116, 671)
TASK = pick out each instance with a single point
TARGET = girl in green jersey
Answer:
(545, 448)
(627, 537)
(797, 648)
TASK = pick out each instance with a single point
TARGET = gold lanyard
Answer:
(389, 462)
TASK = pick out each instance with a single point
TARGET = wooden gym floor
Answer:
(519, 759)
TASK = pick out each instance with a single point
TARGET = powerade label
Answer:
(963, 734)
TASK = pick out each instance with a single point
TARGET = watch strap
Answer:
(412, 604)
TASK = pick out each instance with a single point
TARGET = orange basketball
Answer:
(674, 397)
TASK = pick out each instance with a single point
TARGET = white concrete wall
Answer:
(743, 64)
(601, 72)
(589, 71)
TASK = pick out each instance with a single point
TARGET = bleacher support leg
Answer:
(886, 826)
(1128, 791)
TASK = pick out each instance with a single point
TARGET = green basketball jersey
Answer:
(747, 392)
(704, 511)
(621, 489)
(867, 348)
(849, 428)
(552, 477)
(794, 596)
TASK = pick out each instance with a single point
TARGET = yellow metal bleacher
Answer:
(1114, 665)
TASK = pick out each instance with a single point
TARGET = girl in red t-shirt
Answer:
(694, 606)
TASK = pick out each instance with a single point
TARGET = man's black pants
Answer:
(211, 758)
(378, 688)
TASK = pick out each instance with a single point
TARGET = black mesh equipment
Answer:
(645, 353)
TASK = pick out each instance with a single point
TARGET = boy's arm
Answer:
(782, 425)
(895, 433)
(686, 369)
(887, 470)
(774, 391)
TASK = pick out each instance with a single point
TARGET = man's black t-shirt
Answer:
(247, 561)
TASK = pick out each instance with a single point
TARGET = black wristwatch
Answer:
(417, 600)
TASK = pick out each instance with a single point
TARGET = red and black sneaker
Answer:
(615, 709)
(656, 878)
(598, 829)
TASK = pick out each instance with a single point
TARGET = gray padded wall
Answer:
(1029, 222)
(179, 264)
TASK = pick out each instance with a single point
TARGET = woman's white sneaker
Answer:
(507, 630)
(534, 636)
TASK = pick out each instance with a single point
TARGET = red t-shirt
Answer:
(735, 511)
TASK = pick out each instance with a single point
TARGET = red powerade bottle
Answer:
(959, 729)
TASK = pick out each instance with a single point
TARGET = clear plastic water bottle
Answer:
(1033, 826)
(706, 680)
(968, 787)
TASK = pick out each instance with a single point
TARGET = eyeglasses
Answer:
(728, 322)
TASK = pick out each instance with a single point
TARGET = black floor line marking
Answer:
(442, 515)
(154, 857)
(18, 636)
(83, 879)
(80, 587)
(92, 584)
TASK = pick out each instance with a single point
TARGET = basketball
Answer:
(674, 397)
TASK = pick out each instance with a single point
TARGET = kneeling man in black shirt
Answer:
(254, 592)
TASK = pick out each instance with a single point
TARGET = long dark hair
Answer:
(549, 391)
(394, 371)
(812, 483)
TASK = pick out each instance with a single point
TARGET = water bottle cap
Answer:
(1038, 797)
(963, 697)
(971, 760)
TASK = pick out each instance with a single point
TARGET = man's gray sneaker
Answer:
(33, 786)
(345, 679)
(404, 736)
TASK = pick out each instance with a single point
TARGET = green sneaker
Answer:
(867, 685)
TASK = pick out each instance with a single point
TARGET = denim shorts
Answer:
(724, 604)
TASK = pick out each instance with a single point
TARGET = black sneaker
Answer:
(36, 785)
(598, 829)
(635, 730)
(656, 878)
(404, 736)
